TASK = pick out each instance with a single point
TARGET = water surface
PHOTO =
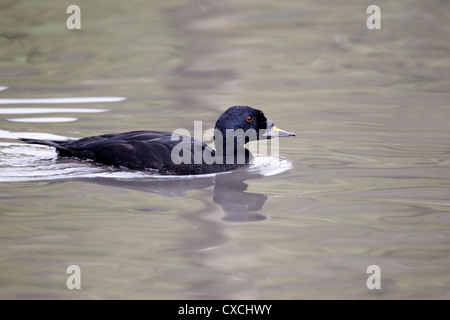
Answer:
(366, 181)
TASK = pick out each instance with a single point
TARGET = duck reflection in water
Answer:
(229, 191)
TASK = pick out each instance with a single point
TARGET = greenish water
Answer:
(366, 181)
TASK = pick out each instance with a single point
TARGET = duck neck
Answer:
(232, 152)
(230, 147)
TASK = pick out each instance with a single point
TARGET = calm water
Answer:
(366, 181)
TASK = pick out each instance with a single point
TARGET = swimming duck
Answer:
(174, 154)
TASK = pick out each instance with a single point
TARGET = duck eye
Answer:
(249, 119)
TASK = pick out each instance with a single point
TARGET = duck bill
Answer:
(273, 132)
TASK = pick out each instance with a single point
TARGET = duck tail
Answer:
(59, 145)
(50, 143)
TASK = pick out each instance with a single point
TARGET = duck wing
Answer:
(138, 150)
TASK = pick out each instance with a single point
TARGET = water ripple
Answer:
(44, 119)
(25, 162)
(49, 110)
(62, 100)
